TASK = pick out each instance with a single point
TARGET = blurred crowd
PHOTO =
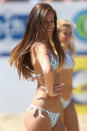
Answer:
(40, 0)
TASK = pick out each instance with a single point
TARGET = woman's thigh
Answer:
(70, 118)
(36, 123)
(59, 126)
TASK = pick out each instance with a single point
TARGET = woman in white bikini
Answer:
(69, 115)
(35, 55)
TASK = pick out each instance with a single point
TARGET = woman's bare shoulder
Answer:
(40, 46)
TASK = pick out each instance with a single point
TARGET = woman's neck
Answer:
(64, 46)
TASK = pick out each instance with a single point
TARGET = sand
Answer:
(14, 122)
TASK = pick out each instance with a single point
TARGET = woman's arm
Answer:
(49, 74)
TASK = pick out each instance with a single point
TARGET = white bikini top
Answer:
(69, 63)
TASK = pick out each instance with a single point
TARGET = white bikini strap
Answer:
(35, 109)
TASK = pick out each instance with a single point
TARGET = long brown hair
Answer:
(35, 31)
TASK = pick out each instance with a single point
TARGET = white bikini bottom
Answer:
(65, 103)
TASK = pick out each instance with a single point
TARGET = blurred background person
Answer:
(65, 36)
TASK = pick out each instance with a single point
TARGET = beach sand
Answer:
(14, 122)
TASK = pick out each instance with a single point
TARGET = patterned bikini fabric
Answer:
(54, 61)
(53, 116)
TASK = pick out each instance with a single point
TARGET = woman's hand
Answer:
(58, 89)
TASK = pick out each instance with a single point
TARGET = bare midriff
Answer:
(66, 78)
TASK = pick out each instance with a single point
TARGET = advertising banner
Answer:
(13, 19)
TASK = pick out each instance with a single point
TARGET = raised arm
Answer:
(49, 74)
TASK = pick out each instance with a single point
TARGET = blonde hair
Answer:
(61, 23)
